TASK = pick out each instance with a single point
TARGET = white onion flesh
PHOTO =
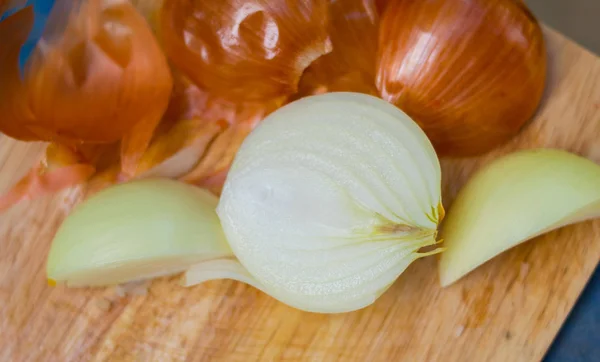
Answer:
(330, 199)
(136, 231)
(514, 199)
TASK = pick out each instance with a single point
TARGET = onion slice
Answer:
(514, 199)
(136, 231)
(219, 269)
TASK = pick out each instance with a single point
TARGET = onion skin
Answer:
(381, 5)
(350, 67)
(87, 75)
(150, 9)
(97, 75)
(470, 72)
(245, 50)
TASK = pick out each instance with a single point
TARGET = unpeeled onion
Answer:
(97, 75)
(470, 72)
(350, 66)
(245, 50)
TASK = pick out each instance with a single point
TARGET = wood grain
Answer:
(510, 309)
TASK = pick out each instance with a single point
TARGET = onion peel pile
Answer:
(96, 60)
(198, 150)
(200, 131)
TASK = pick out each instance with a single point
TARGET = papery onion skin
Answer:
(330, 198)
(381, 5)
(40, 181)
(245, 50)
(97, 76)
(137, 230)
(513, 199)
(350, 66)
(199, 136)
(195, 142)
(150, 9)
(14, 31)
(470, 72)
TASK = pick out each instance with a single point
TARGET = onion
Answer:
(150, 9)
(330, 199)
(195, 142)
(200, 136)
(514, 199)
(470, 72)
(135, 231)
(97, 75)
(350, 66)
(381, 5)
(245, 50)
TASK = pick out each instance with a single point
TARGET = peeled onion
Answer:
(470, 72)
(245, 50)
(329, 200)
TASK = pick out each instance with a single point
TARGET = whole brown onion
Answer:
(470, 72)
(245, 50)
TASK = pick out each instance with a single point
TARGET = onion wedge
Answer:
(514, 199)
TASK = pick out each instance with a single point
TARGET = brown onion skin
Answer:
(90, 83)
(381, 5)
(245, 50)
(470, 72)
(350, 66)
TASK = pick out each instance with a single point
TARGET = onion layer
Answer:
(137, 230)
(330, 198)
(514, 199)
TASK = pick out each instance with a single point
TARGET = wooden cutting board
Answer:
(508, 310)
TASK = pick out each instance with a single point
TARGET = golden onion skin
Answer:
(97, 76)
(350, 66)
(470, 72)
(245, 50)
